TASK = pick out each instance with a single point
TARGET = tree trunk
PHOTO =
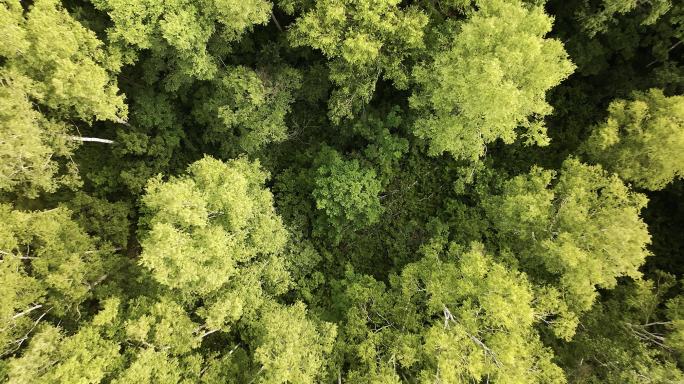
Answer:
(93, 139)
(276, 22)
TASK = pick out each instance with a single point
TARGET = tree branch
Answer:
(205, 334)
(27, 311)
(92, 139)
(122, 121)
(276, 22)
(257, 375)
(671, 48)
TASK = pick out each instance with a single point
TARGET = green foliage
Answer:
(290, 347)
(628, 338)
(597, 21)
(160, 254)
(179, 32)
(384, 149)
(363, 39)
(584, 230)
(456, 315)
(53, 70)
(30, 141)
(53, 358)
(69, 69)
(108, 221)
(642, 140)
(48, 265)
(491, 78)
(347, 193)
(246, 109)
(204, 225)
(149, 145)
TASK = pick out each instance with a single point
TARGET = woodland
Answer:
(342, 191)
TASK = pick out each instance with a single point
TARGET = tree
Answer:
(48, 265)
(364, 39)
(456, 315)
(52, 357)
(290, 347)
(642, 140)
(143, 240)
(53, 70)
(202, 226)
(491, 79)
(577, 233)
(246, 109)
(179, 33)
(631, 337)
(346, 193)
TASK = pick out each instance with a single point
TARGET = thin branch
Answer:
(671, 48)
(276, 22)
(122, 121)
(91, 139)
(21, 341)
(205, 334)
(113, 249)
(257, 375)
(27, 311)
(658, 323)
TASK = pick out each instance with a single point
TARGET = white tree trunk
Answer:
(94, 139)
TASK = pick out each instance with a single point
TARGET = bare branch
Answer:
(671, 48)
(122, 121)
(276, 22)
(658, 323)
(113, 249)
(205, 334)
(27, 311)
(257, 375)
(91, 139)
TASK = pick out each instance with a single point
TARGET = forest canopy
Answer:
(342, 191)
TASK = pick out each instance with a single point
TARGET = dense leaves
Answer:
(491, 79)
(54, 70)
(642, 140)
(586, 229)
(341, 191)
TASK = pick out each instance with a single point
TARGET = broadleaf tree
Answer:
(341, 191)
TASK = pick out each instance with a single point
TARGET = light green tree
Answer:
(144, 341)
(31, 143)
(203, 225)
(491, 78)
(579, 232)
(290, 347)
(642, 140)
(178, 32)
(454, 316)
(213, 235)
(49, 264)
(364, 40)
(53, 70)
(53, 357)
